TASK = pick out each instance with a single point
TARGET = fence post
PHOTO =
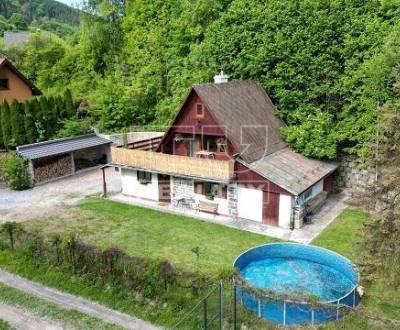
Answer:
(221, 304)
(337, 310)
(312, 317)
(234, 306)
(205, 314)
(284, 312)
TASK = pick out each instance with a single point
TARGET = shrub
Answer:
(16, 173)
(74, 127)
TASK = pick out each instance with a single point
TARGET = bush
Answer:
(16, 173)
(74, 127)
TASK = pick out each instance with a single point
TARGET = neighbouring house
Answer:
(223, 153)
(57, 158)
(20, 38)
(14, 85)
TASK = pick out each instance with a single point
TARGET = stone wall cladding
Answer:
(182, 188)
(354, 174)
(232, 200)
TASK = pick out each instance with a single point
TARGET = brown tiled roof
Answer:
(248, 115)
(292, 171)
(5, 62)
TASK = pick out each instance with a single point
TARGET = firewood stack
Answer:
(57, 167)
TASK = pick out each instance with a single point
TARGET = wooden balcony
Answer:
(217, 170)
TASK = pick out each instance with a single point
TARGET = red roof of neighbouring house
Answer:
(5, 62)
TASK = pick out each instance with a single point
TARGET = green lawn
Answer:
(5, 326)
(343, 236)
(144, 232)
(69, 319)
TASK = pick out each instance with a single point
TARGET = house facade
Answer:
(14, 85)
(223, 154)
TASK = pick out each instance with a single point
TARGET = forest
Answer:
(48, 15)
(329, 66)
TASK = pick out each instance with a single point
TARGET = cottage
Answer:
(14, 85)
(223, 153)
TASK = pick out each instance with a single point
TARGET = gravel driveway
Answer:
(46, 198)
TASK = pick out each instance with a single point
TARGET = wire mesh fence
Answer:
(224, 307)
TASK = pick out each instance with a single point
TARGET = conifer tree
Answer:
(44, 116)
(29, 123)
(6, 123)
(2, 145)
(17, 123)
(69, 104)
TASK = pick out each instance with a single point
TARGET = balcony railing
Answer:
(219, 170)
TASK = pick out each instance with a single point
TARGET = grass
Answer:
(143, 232)
(64, 280)
(64, 317)
(343, 236)
(5, 326)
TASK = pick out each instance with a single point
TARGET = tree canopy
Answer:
(327, 65)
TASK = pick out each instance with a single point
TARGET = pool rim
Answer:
(354, 287)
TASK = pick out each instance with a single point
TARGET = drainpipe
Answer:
(293, 213)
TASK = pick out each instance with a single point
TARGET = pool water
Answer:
(299, 277)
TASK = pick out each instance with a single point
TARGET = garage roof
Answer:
(292, 171)
(60, 146)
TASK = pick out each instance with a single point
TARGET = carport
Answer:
(57, 158)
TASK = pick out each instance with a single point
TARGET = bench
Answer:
(315, 203)
(207, 207)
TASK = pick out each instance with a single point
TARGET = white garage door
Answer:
(250, 203)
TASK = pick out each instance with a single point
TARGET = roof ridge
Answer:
(43, 143)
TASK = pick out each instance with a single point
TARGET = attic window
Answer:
(199, 110)
(3, 84)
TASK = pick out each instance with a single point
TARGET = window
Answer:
(3, 84)
(144, 177)
(307, 194)
(221, 144)
(199, 110)
(211, 190)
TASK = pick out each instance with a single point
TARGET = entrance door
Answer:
(164, 188)
(270, 208)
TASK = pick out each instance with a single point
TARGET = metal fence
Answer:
(207, 314)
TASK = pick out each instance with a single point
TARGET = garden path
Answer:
(21, 319)
(68, 301)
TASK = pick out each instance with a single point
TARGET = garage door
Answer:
(250, 203)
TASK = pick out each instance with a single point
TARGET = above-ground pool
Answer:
(301, 284)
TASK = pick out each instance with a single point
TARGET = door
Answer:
(270, 208)
(250, 203)
(164, 188)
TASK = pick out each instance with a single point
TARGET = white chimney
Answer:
(221, 78)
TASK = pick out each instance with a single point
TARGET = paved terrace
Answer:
(331, 209)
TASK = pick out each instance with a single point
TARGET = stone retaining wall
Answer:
(354, 174)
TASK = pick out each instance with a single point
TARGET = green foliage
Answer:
(75, 127)
(70, 108)
(37, 10)
(17, 124)
(29, 122)
(328, 65)
(16, 173)
(6, 123)
(11, 229)
(18, 21)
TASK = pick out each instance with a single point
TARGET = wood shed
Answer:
(57, 158)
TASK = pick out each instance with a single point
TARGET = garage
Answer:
(58, 158)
